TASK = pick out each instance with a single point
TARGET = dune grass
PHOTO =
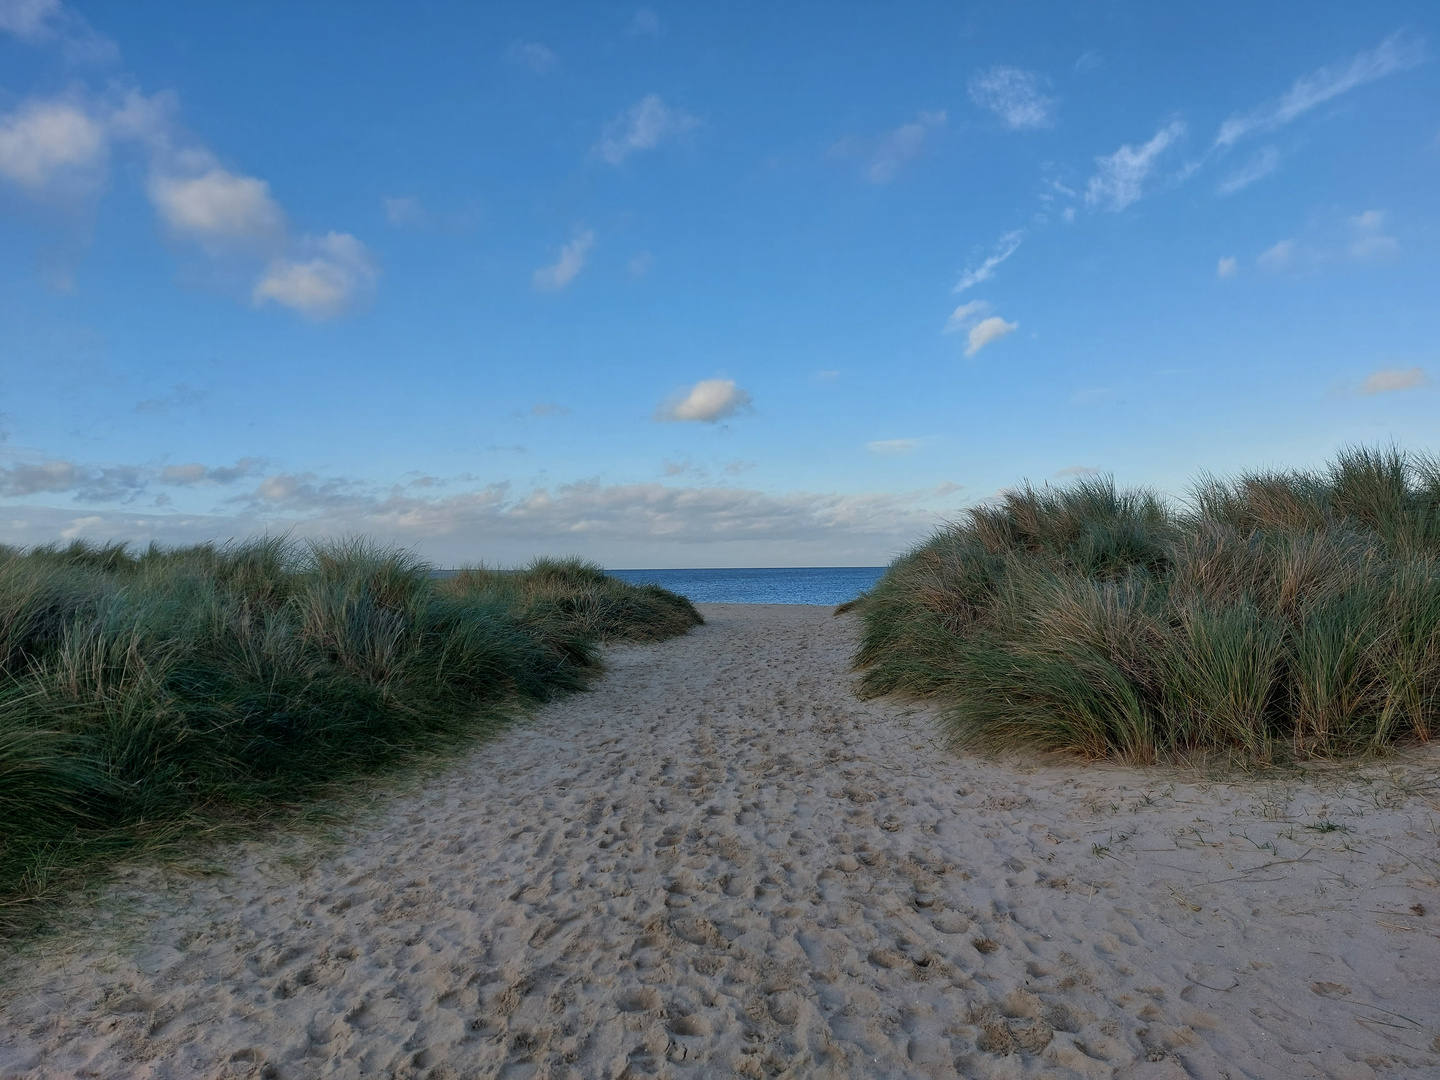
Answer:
(1273, 616)
(149, 697)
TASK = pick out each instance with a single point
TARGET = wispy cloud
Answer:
(1261, 165)
(562, 271)
(1070, 472)
(708, 401)
(1398, 52)
(1369, 238)
(986, 331)
(532, 56)
(897, 148)
(1227, 267)
(1389, 380)
(643, 126)
(1016, 96)
(892, 447)
(644, 23)
(985, 270)
(1121, 176)
(181, 396)
(192, 474)
(1278, 256)
(404, 210)
(963, 315)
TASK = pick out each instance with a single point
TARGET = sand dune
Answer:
(721, 863)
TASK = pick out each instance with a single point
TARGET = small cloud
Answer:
(1102, 395)
(684, 468)
(404, 211)
(707, 401)
(1071, 471)
(823, 378)
(41, 139)
(1227, 267)
(1016, 96)
(562, 271)
(1121, 177)
(181, 395)
(890, 447)
(964, 314)
(218, 208)
(644, 23)
(1004, 248)
(1388, 380)
(642, 127)
(1090, 60)
(948, 487)
(1395, 53)
(548, 408)
(641, 263)
(986, 331)
(1369, 241)
(736, 467)
(532, 56)
(887, 155)
(195, 473)
(1261, 165)
(331, 275)
(1278, 256)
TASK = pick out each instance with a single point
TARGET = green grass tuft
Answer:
(1277, 615)
(146, 697)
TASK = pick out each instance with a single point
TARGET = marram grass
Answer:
(149, 697)
(1276, 615)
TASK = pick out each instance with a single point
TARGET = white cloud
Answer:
(1369, 241)
(640, 264)
(1090, 60)
(532, 56)
(986, 331)
(42, 138)
(562, 271)
(1278, 256)
(708, 401)
(641, 127)
(1395, 53)
(1121, 178)
(891, 447)
(404, 210)
(28, 19)
(964, 314)
(1387, 380)
(1004, 248)
(1016, 96)
(1261, 165)
(645, 23)
(218, 207)
(332, 274)
(896, 149)
(1227, 267)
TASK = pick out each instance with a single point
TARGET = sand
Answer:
(721, 863)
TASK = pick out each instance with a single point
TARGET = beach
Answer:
(721, 862)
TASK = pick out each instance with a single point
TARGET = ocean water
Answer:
(772, 585)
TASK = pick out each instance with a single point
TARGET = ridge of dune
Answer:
(720, 862)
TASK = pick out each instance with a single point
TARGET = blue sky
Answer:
(694, 285)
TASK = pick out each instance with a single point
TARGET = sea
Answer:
(768, 585)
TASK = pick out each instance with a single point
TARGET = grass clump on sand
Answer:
(1276, 615)
(145, 698)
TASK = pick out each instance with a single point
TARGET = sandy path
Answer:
(720, 863)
